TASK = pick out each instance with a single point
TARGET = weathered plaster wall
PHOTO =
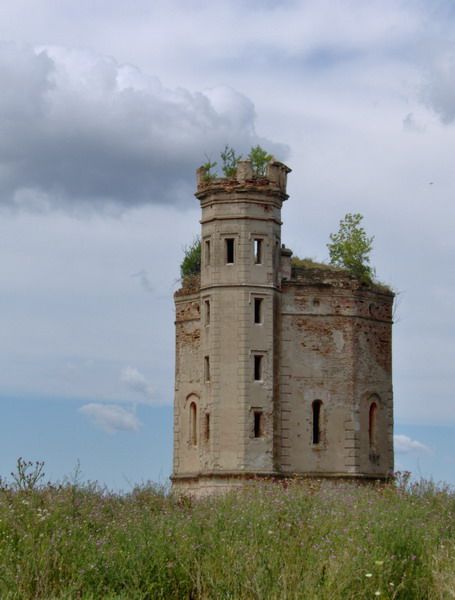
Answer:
(187, 379)
(373, 382)
(316, 364)
(335, 347)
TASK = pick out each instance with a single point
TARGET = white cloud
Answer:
(136, 382)
(440, 90)
(79, 128)
(111, 417)
(405, 445)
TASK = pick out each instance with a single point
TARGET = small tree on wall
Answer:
(208, 166)
(191, 263)
(259, 160)
(350, 247)
(230, 161)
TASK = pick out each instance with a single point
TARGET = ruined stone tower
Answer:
(280, 370)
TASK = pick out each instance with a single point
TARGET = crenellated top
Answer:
(272, 183)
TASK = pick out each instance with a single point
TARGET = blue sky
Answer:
(106, 111)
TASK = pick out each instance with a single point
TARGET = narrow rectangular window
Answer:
(206, 368)
(316, 407)
(257, 245)
(207, 252)
(207, 312)
(207, 427)
(258, 310)
(258, 423)
(193, 424)
(230, 251)
(258, 367)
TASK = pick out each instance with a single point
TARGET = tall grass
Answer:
(81, 541)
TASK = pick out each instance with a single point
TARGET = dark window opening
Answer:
(316, 421)
(206, 368)
(258, 423)
(207, 252)
(207, 312)
(193, 424)
(207, 427)
(257, 245)
(258, 367)
(372, 424)
(258, 310)
(230, 251)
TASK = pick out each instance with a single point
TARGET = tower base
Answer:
(211, 484)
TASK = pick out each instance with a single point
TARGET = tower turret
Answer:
(239, 284)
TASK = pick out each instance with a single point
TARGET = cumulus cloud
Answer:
(77, 127)
(136, 382)
(111, 417)
(405, 445)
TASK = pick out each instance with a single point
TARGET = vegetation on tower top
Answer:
(258, 157)
(191, 263)
(350, 248)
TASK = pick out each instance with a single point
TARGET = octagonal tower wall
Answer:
(336, 351)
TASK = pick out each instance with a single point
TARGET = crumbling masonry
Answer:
(280, 371)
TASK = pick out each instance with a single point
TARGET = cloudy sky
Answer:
(106, 109)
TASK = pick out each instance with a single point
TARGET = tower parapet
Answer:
(275, 179)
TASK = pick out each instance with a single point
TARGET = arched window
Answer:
(316, 406)
(372, 424)
(193, 424)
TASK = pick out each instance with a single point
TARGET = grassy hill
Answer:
(271, 541)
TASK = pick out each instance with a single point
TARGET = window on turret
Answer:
(206, 368)
(316, 406)
(257, 248)
(193, 424)
(229, 251)
(207, 427)
(258, 360)
(372, 419)
(258, 310)
(207, 311)
(258, 423)
(207, 252)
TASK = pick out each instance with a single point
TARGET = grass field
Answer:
(76, 540)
